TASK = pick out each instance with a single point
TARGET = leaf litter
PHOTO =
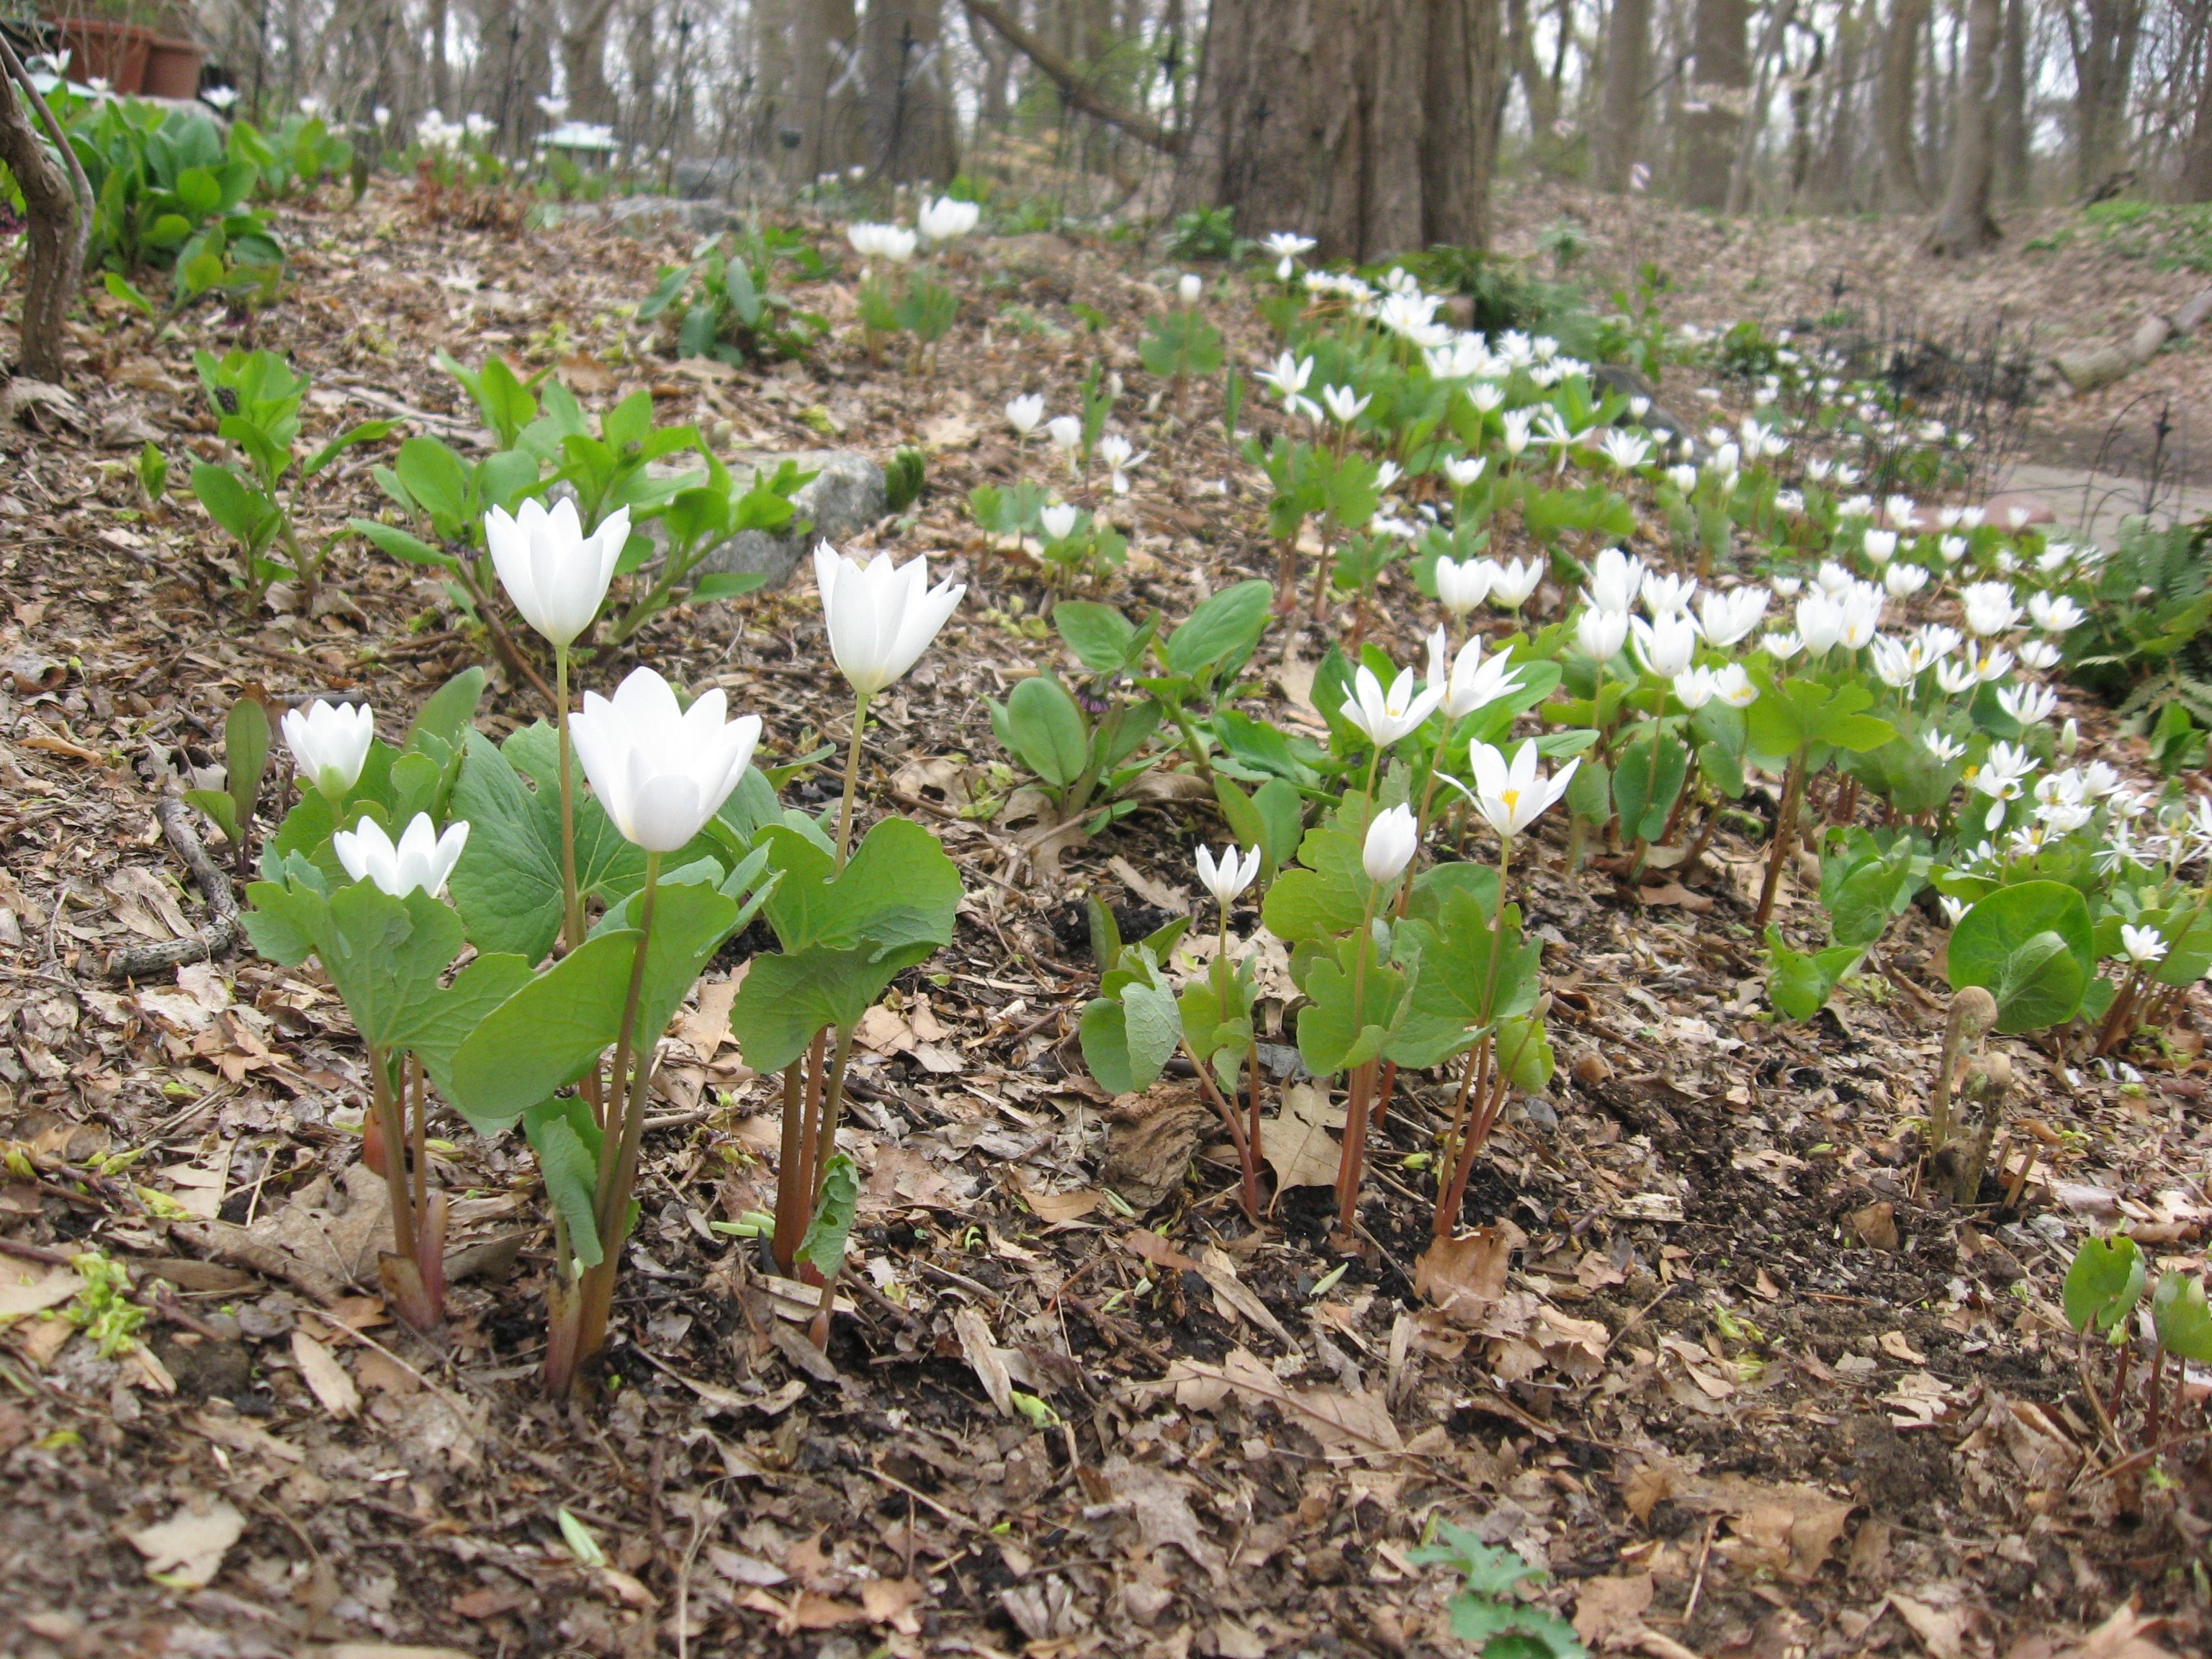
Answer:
(1712, 1361)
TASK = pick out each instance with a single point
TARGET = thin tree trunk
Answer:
(56, 262)
(1895, 109)
(1620, 109)
(1720, 90)
(2012, 132)
(2104, 67)
(584, 61)
(1753, 121)
(1964, 226)
(2197, 159)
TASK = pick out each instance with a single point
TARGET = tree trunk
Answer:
(2104, 65)
(1535, 85)
(442, 72)
(1897, 103)
(2197, 159)
(1964, 226)
(809, 78)
(1620, 109)
(584, 61)
(907, 128)
(2012, 131)
(1370, 125)
(1718, 93)
(57, 256)
(1833, 174)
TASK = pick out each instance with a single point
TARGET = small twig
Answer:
(1697, 1584)
(217, 937)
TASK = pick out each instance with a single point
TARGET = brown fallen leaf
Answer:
(1147, 1156)
(1942, 1630)
(892, 1601)
(1874, 1225)
(331, 1384)
(984, 1358)
(27, 1290)
(1297, 1142)
(1157, 1251)
(1610, 1610)
(1465, 1277)
(2122, 1635)
(187, 1550)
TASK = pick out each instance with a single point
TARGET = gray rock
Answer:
(641, 215)
(845, 497)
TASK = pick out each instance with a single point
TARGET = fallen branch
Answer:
(222, 1242)
(2093, 370)
(218, 937)
(1074, 86)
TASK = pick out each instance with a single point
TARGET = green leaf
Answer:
(1326, 896)
(831, 1226)
(220, 807)
(2180, 1317)
(1352, 1016)
(1643, 793)
(245, 757)
(570, 1167)
(508, 884)
(899, 891)
(2104, 1284)
(1047, 730)
(246, 513)
(585, 1547)
(462, 1007)
(727, 584)
(553, 1029)
(1100, 635)
(2029, 945)
(1800, 985)
(1222, 632)
(1452, 997)
(446, 712)
(402, 544)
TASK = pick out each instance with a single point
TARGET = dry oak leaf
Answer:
(1160, 1506)
(187, 1550)
(326, 1375)
(1146, 1156)
(24, 1290)
(2122, 1635)
(1465, 1276)
(1297, 1142)
(1611, 1610)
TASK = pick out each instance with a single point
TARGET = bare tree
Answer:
(908, 128)
(1963, 225)
(1720, 87)
(55, 229)
(1897, 105)
(2196, 155)
(1369, 124)
(2012, 129)
(2103, 43)
(583, 59)
(1620, 105)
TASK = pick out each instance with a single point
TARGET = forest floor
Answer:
(2061, 279)
(1749, 1392)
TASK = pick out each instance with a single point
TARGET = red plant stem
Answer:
(1228, 1114)
(1352, 1163)
(1785, 833)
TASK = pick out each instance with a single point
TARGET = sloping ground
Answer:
(2062, 279)
(1747, 1393)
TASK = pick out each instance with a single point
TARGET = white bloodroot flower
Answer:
(556, 575)
(1231, 876)
(330, 744)
(880, 619)
(423, 857)
(1392, 840)
(1511, 796)
(660, 769)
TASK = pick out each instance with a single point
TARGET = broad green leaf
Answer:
(570, 1165)
(1800, 985)
(554, 1029)
(2180, 1317)
(1222, 631)
(1643, 792)
(1100, 635)
(1454, 996)
(2029, 945)
(827, 1233)
(2104, 1284)
(1047, 730)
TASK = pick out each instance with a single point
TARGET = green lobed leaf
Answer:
(2104, 1284)
(560, 1131)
